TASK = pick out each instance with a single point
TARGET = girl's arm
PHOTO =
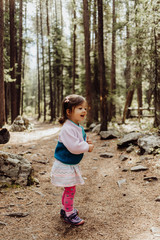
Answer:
(73, 143)
(91, 146)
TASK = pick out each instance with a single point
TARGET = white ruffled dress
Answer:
(66, 175)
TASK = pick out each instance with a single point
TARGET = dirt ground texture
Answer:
(110, 211)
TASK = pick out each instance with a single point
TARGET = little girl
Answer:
(72, 143)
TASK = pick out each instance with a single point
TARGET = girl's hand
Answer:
(88, 140)
(91, 146)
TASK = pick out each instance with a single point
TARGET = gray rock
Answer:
(39, 193)
(157, 199)
(20, 124)
(42, 173)
(106, 155)
(110, 134)
(93, 125)
(36, 181)
(123, 157)
(14, 169)
(130, 138)
(149, 144)
(130, 149)
(155, 231)
(125, 170)
(138, 168)
(150, 179)
(120, 182)
(96, 129)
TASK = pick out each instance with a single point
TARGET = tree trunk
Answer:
(50, 70)
(86, 22)
(157, 79)
(38, 68)
(6, 46)
(103, 86)
(56, 71)
(138, 66)
(95, 96)
(14, 112)
(128, 55)
(74, 46)
(127, 104)
(112, 106)
(2, 93)
(23, 62)
(19, 76)
(43, 62)
(61, 67)
(128, 49)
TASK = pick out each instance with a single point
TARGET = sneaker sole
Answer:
(62, 216)
(75, 224)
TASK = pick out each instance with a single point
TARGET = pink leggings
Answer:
(68, 198)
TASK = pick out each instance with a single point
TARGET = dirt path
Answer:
(128, 212)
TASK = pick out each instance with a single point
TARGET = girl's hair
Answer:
(70, 102)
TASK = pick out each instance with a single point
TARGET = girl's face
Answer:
(78, 113)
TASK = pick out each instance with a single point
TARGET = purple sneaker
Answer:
(73, 219)
(62, 212)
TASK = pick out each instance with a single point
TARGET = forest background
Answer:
(107, 51)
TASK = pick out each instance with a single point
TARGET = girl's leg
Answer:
(63, 199)
(68, 199)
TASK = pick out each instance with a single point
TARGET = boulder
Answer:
(96, 129)
(128, 139)
(14, 169)
(4, 136)
(93, 125)
(110, 134)
(149, 144)
(20, 124)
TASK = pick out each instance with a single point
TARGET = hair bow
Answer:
(66, 100)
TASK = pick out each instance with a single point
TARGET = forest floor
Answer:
(110, 211)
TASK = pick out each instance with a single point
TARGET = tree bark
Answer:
(103, 86)
(50, 70)
(2, 92)
(14, 112)
(86, 22)
(95, 96)
(43, 62)
(157, 79)
(74, 45)
(138, 65)
(19, 76)
(112, 106)
(62, 55)
(127, 104)
(127, 73)
(23, 59)
(128, 49)
(38, 67)
(6, 46)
